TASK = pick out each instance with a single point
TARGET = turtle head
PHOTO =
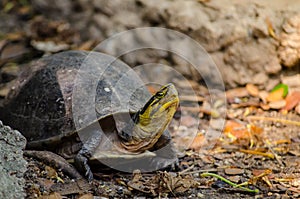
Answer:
(160, 107)
(151, 121)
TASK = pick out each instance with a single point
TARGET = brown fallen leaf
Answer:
(88, 45)
(297, 109)
(237, 92)
(239, 130)
(292, 100)
(265, 106)
(192, 98)
(162, 182)
(242, 134)
(51, 173)
(86, 196)
(15, 36)
(263, 96)
(198, 141)
(252, 89)
(176, 184)
(148, 185)
(277, 104)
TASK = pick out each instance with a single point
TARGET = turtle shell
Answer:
(60, 93)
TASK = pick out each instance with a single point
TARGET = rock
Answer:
(291, 81)
(189, 121)
(260, 78)
(289, 50)
(54, 9)
(12, 164)
(238, 36)
(252, 61)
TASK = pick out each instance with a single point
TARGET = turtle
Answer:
(91, 107)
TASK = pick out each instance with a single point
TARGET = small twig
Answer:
(195, 109)
(186, 170)
(284, 121)
(229, 182)
(192, 98)
(199, 171)
(273, 152)
(269, 155)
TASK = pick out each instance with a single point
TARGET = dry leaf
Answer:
(235, 129)
(265, 106)
(163, 182)
(237, 92)
(297, 109)
(51, 173)
(88, 45)
(198, 142)
(191, 98)
(252, 89)
(86, 196)
(277, 104)
(263, 96)
(241, 133)
(276, 95)
(292, 100)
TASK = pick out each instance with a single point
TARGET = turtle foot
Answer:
(81, 163)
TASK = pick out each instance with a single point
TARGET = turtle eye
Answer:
(160, 94)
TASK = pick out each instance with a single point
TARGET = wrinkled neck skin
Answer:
(149, 123)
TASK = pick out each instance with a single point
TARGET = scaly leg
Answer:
(91, 137)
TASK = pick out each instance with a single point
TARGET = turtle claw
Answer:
(81, 163)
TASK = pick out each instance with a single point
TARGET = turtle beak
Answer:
(171, 98)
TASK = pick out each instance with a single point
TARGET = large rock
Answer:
(247, 40)
(12, 163)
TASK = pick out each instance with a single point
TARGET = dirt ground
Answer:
(255, 45)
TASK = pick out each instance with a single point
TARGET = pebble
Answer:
(234, 179)
(234, 171)
(189, 121)
(277, 104)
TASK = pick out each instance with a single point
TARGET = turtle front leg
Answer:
(91, 138)
(81, 163)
